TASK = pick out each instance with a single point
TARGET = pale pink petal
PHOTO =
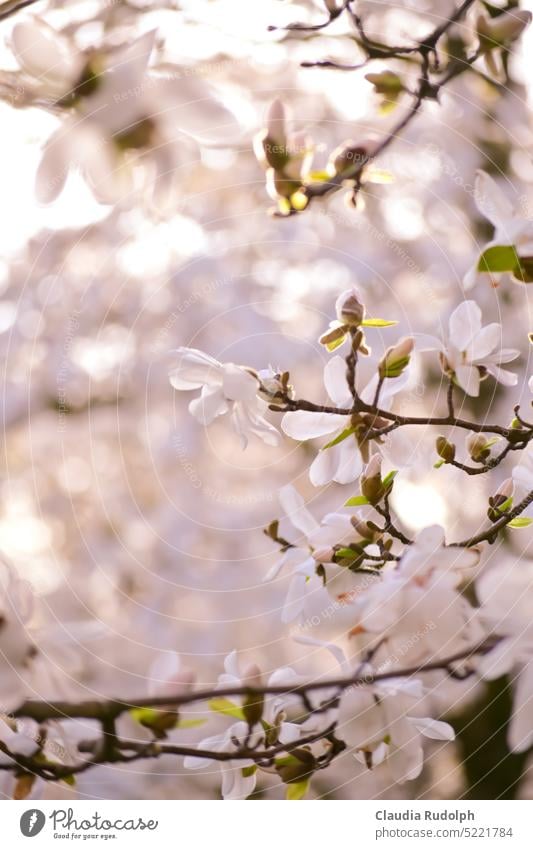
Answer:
(302, 425)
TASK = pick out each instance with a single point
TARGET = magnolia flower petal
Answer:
(208, 406)
(238, 384)
(194, 369)
(484, 342)
(468, 379)
(302, 425)
(46, 54)
(335, 382)
(465, 323)
(53, 168)
(295, 509)
(433, 728)
(350, 462)
(498, 661)
(294, 603)
(506, 378)
(491, 201)
(521, 729)
(292, 558)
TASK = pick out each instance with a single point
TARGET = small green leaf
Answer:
(520, 522)
(356, 501)
(70, 780)
(347, 553)
(388, 479)
(332, 346)
(319, 176)
(498, 258)
(377, 322)
(340, 437)
(247, 771)
(226, 707)
(190, 723)
(297, 790)
(438, 464)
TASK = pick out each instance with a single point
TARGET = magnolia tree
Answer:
(400, 617)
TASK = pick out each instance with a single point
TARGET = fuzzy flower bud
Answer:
(445, 449)
(350, 311)
(397, 358)
(478, 446)
(348, 159)
(501, 501)
(495, 32)
(371, 484)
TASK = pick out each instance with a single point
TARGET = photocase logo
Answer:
(32, 822)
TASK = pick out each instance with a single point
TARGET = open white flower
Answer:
(471, 351)
(341, 462)
(227, 389)
(511, 248)
(309, 593)
(123, 118)
(379, 721)
(416, 610)
(506, 598)
(239, 776)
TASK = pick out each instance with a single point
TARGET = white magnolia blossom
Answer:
(168, 675)
(471, 350)
(342, 462)
(34, 658)
(512, 226)
(239, 776)
(506, 598)
(122, 116)
(523, 472)
(310, 594)
(380, 722)
(227, 389)
(416, 612)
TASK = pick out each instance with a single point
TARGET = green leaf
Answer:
(388, 479)
(347, 553)
(70, 780)
(297, 790)
(520, 522)
(377, 322)
(319, 176)
(247, 771)
(332, 346)
(226, 707)
(356, 501)
(190, 723)
(498, 258)
(438, 464)
(340, 437)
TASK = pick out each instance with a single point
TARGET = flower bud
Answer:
(274, 386)
(502, 501)
(495, 32)
(251, 675)
(275, 123)
(348, 159)
(349, 309)
(323, 555)
(386, 83)
(478, 447)
(445, 449)
(397, 358)
(371, 484)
